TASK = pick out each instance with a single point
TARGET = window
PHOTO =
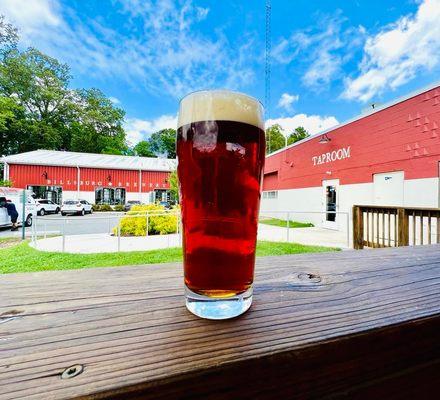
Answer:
(53, 193)
(110, 196)
(273, 194)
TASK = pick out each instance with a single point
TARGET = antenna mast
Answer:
(267, 63)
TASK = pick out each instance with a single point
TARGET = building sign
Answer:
(331, 156)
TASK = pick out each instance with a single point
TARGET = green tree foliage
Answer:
(5, 183)
(174, 185)
(163, 143)
(298, 134)
(8, 35)
(97, 127)
(275, 138)
(38, 110)
(143, 149)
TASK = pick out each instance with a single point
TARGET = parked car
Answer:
(131, 203)
(16, 196)
(45, 206)
(80, 207)
(165, 204)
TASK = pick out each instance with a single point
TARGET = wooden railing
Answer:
(343, 325)
(376, 226)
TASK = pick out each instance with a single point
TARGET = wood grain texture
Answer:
(356, 324)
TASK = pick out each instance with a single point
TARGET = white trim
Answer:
(6, 172)
(360, 116)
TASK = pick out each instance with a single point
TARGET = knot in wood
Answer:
(308, 277)
(72, 371)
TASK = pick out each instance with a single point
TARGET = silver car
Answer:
(80, 207)
(45, 206)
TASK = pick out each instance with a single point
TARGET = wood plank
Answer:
(322, 326)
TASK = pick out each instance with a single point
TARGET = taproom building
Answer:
(388, 156)
(97, 178)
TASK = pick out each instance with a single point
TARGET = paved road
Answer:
(73, 225)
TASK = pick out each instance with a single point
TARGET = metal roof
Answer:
(89, 160)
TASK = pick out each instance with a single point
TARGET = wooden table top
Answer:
(353, 324)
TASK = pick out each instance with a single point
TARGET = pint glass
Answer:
(220, 150)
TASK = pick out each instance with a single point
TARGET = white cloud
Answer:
(323, 49)
(398, 52)
(31, 15)
(286, 100)
(114, 100)
(139, 129)
(312, 123)
(162, 53)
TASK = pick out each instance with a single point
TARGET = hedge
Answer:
(135, 221)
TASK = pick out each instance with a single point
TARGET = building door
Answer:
(388, 188)
(331, 203)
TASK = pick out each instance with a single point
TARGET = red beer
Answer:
(221, 152)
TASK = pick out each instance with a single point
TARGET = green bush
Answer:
(119, 207)
(135, 222)
(102, 207)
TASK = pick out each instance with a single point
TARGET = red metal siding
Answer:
(270, 180)
(90, 178)
(23, 175)
(405, 136)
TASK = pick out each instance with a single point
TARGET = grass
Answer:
(283, 223)
(23, 258)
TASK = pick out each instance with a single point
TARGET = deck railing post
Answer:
(63, 244)
(119, 235)
(403, 227)
(358, 228)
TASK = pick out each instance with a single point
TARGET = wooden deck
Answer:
(355, 324)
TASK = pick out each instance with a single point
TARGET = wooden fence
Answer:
(375, 226)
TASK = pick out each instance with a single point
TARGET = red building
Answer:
(97, 178)
(388, 156)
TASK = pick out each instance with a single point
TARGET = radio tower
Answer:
(267, 63)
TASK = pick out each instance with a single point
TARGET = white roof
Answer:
(89, 160)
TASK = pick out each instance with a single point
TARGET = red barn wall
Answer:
(90, 178)
(403, 137)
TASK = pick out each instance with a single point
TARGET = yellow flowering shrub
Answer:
(135, 221)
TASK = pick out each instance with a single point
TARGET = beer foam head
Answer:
(220, 105)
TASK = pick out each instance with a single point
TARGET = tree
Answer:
(143, 149)
(163, 143)
(97, 126)
(8, 35)
(38, 110)
(174, 185)
(298, 134)
(275, 139)
(9, 109)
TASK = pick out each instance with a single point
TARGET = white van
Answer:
(16, 196)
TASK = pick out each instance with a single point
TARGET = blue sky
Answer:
(330, 59)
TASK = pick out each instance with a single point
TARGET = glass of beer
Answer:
(221, 152)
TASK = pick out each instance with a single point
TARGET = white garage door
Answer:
(388, 189)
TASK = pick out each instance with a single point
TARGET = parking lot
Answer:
(72, 225)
